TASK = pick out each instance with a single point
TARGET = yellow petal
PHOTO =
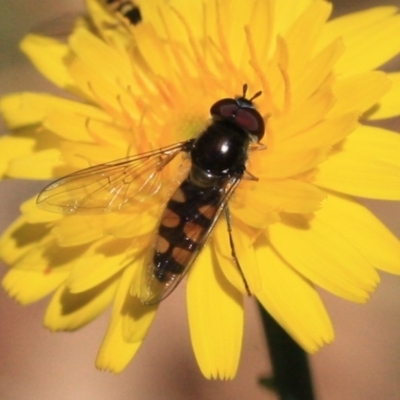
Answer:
(161, 62)
(348, 23)
(108, 259)
(324, 133)
(243, 247)
(134, 224)
(20, 238)
(365, 35)
(261, 32)
(389, 106)
(113, 81)
(36, 250)
(68, 126)
(69, 311)
(34, 215)
(26, 108)
(323, 255)
(70, 230)
(116, 352)
(360, 92)
(13, 147)
(45, 162)
(159, 13)
(292, 300)
(316, 73)
(293, 196)
(359, 226)
(109, 133)
(303, 35)
(136, 318)
(215, 320)
(368, 165)
(286, 12)
(286, 164)
(92, 50)
(83, 155)
(48, 56)
(26, 287)
(255, 214)
(318, 105)
(233, 17)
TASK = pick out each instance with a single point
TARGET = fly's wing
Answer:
(161, 278)
(110, 186)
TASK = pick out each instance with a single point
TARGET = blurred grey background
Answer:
(363, 363)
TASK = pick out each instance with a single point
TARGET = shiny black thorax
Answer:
(219, 153)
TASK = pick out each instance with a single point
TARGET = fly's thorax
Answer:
(220, 151)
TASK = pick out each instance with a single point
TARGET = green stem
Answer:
(292, 377)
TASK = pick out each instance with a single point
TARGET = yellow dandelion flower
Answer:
(144, 87)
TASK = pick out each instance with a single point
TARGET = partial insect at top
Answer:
(127, 8)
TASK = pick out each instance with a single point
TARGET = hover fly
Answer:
(217, 156)
(127, 8)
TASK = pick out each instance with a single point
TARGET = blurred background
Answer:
(363, 363)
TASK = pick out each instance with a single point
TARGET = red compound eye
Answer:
(242, 112)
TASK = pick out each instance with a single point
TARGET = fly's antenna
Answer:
(259, 93)
(245, 87)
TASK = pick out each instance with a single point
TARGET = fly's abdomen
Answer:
(188, 216)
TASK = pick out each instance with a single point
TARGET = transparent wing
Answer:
(155, 286)
(110, 186)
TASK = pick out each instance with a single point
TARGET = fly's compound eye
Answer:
(243, 114)
(225, 108)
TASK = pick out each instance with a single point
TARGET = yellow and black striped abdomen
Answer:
(186, 220)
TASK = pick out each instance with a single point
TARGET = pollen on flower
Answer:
(142, 96)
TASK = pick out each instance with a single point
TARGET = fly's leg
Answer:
(233, 251)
